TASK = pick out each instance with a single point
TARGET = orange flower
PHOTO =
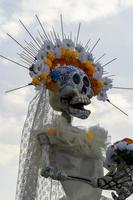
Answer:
(43, 76)
(88, 67)
(97, 85)
(128, 140)
(63, 52)
(52, 86)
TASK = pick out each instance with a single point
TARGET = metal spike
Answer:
(117, 107)
(28, 56)
(78, 33)
(34, 47)
(62, 28)
(24, 58)
(95, 45)
(24, 55)
(18, 88)
(122, 88)
(55, 36)
(42, 27)
(39, 41)
(35, 50)
(52, 36)
(20, 44)
(29, 33)
(109, 62)
(100, 58)
(14, 62)
(25, 62)
(86, 46)
(41, 36)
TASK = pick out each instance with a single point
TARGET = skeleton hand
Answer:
(54, 173)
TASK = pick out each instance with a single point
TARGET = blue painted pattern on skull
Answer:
(72, 77)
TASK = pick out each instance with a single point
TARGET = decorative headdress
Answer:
(121, 151)
(50, 51)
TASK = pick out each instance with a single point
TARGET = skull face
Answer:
(74, 91)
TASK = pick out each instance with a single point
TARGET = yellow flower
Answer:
(51, 56)
(89, 135)
(48, 62)
(63, 52)
(35, 82)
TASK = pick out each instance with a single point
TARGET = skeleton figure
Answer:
(69, 150)
(119, 161)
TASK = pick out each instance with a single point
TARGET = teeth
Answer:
(85, 100)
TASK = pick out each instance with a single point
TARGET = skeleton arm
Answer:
(45, 148)
(48, 170)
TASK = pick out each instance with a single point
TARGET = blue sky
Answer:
(109, 20)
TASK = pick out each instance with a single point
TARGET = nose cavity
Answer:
(84, 90)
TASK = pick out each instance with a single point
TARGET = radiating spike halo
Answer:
(100, 57)
(94, 45)
(20, 44)
(14, 62)
(29, 33)
(62, 28)
(42, 27)
(122, 88)
(109, 62)
(78, 33)
(18, 88)
(86, 45)
(117, 107)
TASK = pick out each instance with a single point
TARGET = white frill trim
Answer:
(68, 136)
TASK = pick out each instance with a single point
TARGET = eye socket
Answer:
(86, 81)
(76, 78)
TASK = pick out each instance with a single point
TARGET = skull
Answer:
(74, 91)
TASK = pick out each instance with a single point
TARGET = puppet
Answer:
(66, 76)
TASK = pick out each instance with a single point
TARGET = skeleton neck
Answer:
(67, 117)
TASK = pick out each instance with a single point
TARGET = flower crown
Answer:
(66, 53)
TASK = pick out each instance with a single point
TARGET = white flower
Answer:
(33, 74)
(47, 46)
(82, 56)
(91, 57)
(97, 75)
(79, 48)
(57, 52)
(102, 96)
(41, 54)
(45, 68)
(68, 43)
(58, 44)
(107, 82)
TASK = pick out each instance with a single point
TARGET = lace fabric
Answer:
(30, 185)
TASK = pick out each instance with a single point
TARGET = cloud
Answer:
(82, 10)
(8, 153)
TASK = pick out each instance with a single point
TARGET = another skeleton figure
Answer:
(120, 164)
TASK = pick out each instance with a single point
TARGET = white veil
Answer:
(30, 185)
